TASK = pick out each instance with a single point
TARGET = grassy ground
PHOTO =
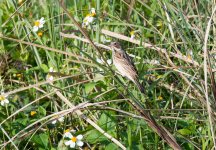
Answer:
(54, 79)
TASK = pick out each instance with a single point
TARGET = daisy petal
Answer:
(80, 143)
(51, 69)
(50, 78)
(6, 101)
(86, 23)
(99, 60)
(42, 19)
(90, 19)
(109, 61)
(54, 122)
(35, 28)
(72, 144)
(79, 137)
(93, 10)
(41, 25)
(2, 103)
(69, 135)
(61, 119)
(68, 142)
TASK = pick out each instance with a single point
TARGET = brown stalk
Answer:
(212, 77)
(160, 130)
(130, 9)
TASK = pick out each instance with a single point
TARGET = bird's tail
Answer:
(140, 86)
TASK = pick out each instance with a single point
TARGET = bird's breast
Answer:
(119, 67)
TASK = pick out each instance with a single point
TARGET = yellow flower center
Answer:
(18, 75)
(90, 15)
(160, 98)
(68, 130)
(32, 113)
(37, 23)
(93, 14)
(159, 76)
(74, 139)
(2, 98)
(189, 56)
(132, 33)
(40, 34)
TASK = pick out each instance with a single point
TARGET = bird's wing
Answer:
(127, 64)
(131, 62)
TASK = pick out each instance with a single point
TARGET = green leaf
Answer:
(94, 136)
(185, 131)
(106, 122)
(111, 146)
(41, 140)
(89, 87)
(129, 135)
(42, 111)
(44, 67)
(98, 77)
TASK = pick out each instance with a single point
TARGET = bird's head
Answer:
(116, 47)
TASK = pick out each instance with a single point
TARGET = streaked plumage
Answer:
(124, 64)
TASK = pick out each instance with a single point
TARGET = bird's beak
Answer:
(112, 46)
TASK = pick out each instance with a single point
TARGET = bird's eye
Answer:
(115, 44)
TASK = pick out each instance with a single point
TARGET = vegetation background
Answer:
(173, 50)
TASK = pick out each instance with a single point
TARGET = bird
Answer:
(125, 65)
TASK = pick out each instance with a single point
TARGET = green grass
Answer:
(169, 54)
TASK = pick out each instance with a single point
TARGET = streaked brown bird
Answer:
(124, 64)
(126, 67)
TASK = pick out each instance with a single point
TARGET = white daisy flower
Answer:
(105, 40)
(93, 11)
(89, 18)
(132, 37)
(190, 54)
(109, 61)
(132, 33)
(38, 24)
(99, 61)
(61, 119)
(3, 99)
(154, 62)
(50, 77)
(74, 140)
(67, 133)
(51, 69)
(54, 122)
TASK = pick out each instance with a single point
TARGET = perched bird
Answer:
(124, 64)
(126, 67)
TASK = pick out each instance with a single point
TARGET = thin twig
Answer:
(147, 45)
(41, 46)
(137, 42)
